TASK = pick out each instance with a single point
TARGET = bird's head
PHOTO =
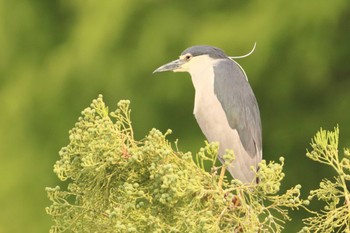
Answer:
(194, 58)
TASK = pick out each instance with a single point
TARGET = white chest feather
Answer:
(207, 108)
(213, 122)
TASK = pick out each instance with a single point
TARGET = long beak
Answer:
(171, 66)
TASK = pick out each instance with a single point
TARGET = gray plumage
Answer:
(198, 50)
(225, 106)
(239, 103)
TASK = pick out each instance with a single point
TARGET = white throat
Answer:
(202, 73)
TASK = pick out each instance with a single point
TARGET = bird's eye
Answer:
(188, 57)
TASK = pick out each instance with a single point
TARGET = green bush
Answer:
(335, 217)
(119, 184)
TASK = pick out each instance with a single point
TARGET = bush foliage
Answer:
(335, 217)
(119, 184)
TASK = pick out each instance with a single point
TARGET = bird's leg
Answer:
(221, 177)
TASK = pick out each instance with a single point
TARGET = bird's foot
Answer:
(221, 177)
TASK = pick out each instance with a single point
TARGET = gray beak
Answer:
(171, 66)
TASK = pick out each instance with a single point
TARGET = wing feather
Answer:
(239, 103)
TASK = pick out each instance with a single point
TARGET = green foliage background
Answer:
(55, 56)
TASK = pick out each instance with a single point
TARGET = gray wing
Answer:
(239, 103)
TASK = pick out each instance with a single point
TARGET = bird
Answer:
(225, 106)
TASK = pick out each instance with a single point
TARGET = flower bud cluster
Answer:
(118, 184)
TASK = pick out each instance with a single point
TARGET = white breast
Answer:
(213, 122)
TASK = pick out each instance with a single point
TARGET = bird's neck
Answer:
(202, 75)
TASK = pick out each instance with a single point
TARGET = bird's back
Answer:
(227, 112)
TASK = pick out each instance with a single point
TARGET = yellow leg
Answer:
(221, 177)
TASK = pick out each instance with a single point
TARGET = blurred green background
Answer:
(56, 56)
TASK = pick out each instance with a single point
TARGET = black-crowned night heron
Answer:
(225, 106)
